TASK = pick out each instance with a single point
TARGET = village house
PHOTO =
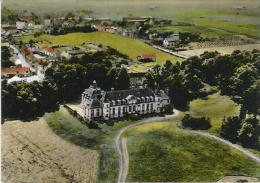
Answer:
(49, 51)
(20, 25)
(96, 103)
(15, 71)
(41, 66)
(171, 40)
(147, 57)
(111, 29)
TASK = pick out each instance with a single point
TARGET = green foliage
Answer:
(27, 101)
(230, 128)
(167, 109)
(195, 123)
(5, 56)
(69, 15)
(244, 131)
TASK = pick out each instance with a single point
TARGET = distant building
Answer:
(115, 104)
(171, 40)
(147, 57)
(238, 7)
(15, 71)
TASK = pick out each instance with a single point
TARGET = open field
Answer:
(125, 45)
(223, 50)
(215, 107)
(161, 152)
(31, 152)
(119, 8)
(102, 140)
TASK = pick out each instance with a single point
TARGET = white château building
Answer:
(115, 104)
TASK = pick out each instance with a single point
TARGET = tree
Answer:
(229, 129)
(249, 133)
(251, 99)
(122, 80)
(69, 15)
(195, 123)
(5, 56)
(167, 109)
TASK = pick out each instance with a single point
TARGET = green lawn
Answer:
(128, 46)
(215, 107)
(161, 152)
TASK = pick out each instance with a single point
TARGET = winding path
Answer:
(123, 154)
(234, 146)
(123, 161)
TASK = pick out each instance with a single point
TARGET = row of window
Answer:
(133, 108)
(120, 111)
(139, 100)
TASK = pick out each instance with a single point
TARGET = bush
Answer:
(195, 123)
(167, 109)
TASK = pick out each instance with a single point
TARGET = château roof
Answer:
(123, 94)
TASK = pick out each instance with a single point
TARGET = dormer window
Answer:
(119, 102)
(147, 99)
(124, 102)
(113, 102)
(151, 98)
(143, 99)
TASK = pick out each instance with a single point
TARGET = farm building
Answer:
(147, 57)
(115, 104)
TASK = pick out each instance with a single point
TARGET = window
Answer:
(114, 111)
(130, 108)
(143, 107)
(134, 108)
(97, 112)
(147, 107)
(119, 111)
(123, 109)
(151, 106)
(92, 113)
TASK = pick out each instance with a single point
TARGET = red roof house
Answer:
(150, 56)
(15, 71)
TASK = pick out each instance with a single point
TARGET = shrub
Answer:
(167, 109)
(195, 123)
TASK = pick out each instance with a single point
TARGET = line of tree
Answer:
(29, 100)
(235, 75)
(66, 30)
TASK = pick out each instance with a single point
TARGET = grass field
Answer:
(102, 140)
(215, 107)
(161, 152)
(125, 45)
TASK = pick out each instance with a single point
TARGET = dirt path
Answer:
(234, 146)
(32, 152)
(123, 154)
(123, 160)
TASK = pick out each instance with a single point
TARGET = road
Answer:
(123, 161)
(24, 63)
(123, 154)
(170, 52)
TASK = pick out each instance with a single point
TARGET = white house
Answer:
(171, 40)
(96, 103)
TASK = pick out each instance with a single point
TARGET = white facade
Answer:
(116, 104)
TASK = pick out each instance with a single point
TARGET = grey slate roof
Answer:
(123, 94)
